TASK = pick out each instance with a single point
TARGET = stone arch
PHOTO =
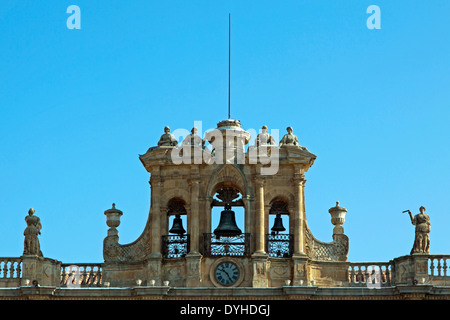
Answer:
(271, 197)
(180, 193)
(227, 175)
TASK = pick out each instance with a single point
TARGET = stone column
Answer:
(154, 265)
(193, 258)
(259, 220)
(155, 218)
(259, 257)
(299, 215)
(194, 227)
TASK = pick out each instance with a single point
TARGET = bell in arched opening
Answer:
(227, 224)
(177, 226)
(278, 225)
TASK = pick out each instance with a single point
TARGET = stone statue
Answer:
(422, 239)
(167, 139)
(33, 229)
(264, 138)
(193, 139)
(289, 139)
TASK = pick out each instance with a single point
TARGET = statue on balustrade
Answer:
(167, 139)
(31, 233)
(264, 138)
(422, 238)
(193, 139)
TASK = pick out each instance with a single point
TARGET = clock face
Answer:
(227, 273)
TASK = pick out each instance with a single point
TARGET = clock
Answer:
(227, 273)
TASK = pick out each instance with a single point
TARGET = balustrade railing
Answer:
(10, 268)
(279, 245)
(81, 275)
(237, 246)
(438, 265)
(370, 274)
(174, 246)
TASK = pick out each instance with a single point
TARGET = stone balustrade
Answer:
(362, 273)
(10, 272)
(10, 268)
(399, 271)
(81, 275)
(438, 265)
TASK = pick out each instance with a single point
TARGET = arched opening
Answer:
(177, 216)
(228, 237)
(175, 244)
(279, 240)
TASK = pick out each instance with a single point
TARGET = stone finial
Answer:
(337, 218)
(113, 219)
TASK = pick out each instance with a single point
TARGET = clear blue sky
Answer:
(78, 106)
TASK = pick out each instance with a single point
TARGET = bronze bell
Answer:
(278, 224)
(227, 224)
(177, 226)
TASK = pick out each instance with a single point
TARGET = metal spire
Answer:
(229, 63)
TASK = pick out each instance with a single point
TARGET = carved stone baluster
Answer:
(84, 279)
(352, 274)
(5, 268)
(63, 276)
(439, 267)
(11, 270)
(445, 267)
(19, 270)
(359, 275)
(388, 275)
(432, 267)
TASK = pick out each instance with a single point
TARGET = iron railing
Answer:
(234, 246)
(175, 246)
(280, 245)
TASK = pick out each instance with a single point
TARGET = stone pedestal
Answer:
(299, 275)
(45, 271)
(154, 271)
(260, 270)
(193, 270)
(412, 269)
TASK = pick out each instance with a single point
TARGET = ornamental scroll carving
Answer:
(132, 252)
(327, 251)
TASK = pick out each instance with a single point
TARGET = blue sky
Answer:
(78, 106)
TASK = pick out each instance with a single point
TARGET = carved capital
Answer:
(194, 181)
(259, 181)
(299, 180)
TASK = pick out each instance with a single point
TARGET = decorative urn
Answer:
(337, 218)
(113, 219)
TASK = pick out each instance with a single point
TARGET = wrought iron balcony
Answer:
(234, 246)
(175, 246)
(280, 245)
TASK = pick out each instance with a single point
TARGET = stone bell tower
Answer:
(188, 180)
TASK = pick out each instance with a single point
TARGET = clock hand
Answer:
(223, 270)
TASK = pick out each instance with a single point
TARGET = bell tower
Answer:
(180, 245)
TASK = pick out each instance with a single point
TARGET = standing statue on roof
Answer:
(422, 238)
(33, 229)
